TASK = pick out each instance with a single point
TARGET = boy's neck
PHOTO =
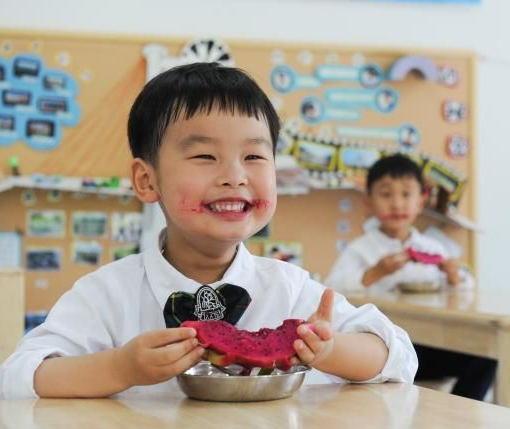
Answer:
(196, 265)
(401, 234)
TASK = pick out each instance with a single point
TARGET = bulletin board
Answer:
(66, 97)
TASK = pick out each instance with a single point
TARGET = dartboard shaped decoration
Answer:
(207, 50)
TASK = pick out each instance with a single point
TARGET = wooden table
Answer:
(465, 321)
(378, 406)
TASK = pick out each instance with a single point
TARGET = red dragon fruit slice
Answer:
(424, 258)
(265, 348)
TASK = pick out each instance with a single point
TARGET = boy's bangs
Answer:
(187, 107)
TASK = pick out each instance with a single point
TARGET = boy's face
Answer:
(396, 202)
(216, 178)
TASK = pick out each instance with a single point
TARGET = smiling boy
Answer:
(203, 139)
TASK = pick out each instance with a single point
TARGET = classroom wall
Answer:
(480, 28)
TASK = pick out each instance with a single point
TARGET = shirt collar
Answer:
(164, 279)
(387, 239)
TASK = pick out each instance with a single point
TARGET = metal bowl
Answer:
(419, 287)
(208, 383)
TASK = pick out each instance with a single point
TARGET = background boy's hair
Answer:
(183, 91)
(396, 166)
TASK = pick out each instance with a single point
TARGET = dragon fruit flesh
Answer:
(265, 348)
(424, 258)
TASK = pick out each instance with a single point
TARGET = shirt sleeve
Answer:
(73, 327)
(347, 272)
(402, 362)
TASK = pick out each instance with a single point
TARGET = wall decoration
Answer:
(423, 66)
(316, 156)
(454, 111)
(10, 249)
(89, 224)
(28, 198)
(46, 223)
(126, 227)
(287, 251)
(36, 102)
(54, 196)
(457, 147)
(448, 76)
(86, 252)
(119, 252)
(43, 259)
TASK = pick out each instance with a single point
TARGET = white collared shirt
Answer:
(123, 299)
(366, 251)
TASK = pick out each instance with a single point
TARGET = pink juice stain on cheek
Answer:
(261, 204)
(191, 206)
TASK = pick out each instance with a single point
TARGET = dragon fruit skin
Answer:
(265, 348)
(424, 258)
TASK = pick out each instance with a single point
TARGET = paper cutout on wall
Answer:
(424, 66)
(196, 50)
(36, 102)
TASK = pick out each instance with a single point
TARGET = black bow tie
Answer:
(227, 302)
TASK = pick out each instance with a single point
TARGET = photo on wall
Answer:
(119, 252)
(46, 223)
(86, 252)
(126, 227)
(287, 251)
(43, 259)
(89, 224)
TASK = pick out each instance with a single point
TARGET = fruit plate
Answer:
(419, 287)
(208, 383)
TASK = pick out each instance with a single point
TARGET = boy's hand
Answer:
(386, 265)
(316, 335)
(391, 263)
(156, 356)
(451, 269)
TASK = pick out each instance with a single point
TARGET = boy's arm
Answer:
(150, 358)
(386, 266)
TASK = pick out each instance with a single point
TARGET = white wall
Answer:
(481, 28)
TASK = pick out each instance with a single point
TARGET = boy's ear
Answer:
(424, 198)
(143, 179)
(367, 202)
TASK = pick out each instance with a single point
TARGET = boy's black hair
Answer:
(395, 166)
(183, 91)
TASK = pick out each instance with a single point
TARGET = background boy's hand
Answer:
(451, 269)
(391, 263)
(317, 334)
(386, 265)
(156, 356)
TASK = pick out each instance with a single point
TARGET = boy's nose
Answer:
(233, 176)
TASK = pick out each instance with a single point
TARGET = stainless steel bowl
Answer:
(207, 383)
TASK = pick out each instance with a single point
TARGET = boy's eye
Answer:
(252, 157)
(203, 156)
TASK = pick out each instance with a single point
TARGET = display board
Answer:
(65, 100)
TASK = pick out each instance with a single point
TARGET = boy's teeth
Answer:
(228, 207)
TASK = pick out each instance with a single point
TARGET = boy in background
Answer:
(378, 260)
(203, 139)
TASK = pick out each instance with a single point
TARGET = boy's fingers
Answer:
(167, 355)
(303, 352)
(163, 337)
(184, 363)
(325, 309)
